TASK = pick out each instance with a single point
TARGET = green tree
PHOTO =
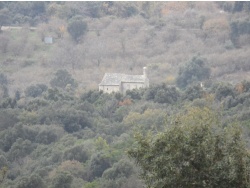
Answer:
(73, 120)
(4, 17)
(194, 91)
(93, 9)
(222, 90)
(37, 8)
(166, 95)
(197, 151)
(3, 86)
(162, 94)
(129, 11)
(238, 6)
(35, 90)
(135, 93)
(194, 70)
(3, 173)
(123, 168)
(46, 136)
(91, 96)
(8, 118)
(62, 79)
(3, 161)
(77, 153)
(30, 182)
(20, 149)
(99, 162)
(62, 180)
(77, 28)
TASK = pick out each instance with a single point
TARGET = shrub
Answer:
(30, 182)
(162, 94)
(77, 28)
(3, 162)
(78, 153)
(195, 70)
(3, 79)
(99, 162)
(3, 86)
(135, 93)
(91, 96)
(246, 86)
(62, 180)
(73, 120)
(62, 79)
(35, 90)
(239, 27)
(129, 11)
(46, 137)
(223, 90)
(8, 118)
(20, 149)
(122, 168)
(193, 92)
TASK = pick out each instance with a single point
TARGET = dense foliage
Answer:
(55, 139)
(196, 151)
(194, 71)
(76, 28)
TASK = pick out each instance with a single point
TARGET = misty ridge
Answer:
(96, 94)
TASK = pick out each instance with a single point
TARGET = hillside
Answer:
(124, 37)
(57, 130)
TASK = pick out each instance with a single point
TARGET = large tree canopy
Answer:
(77, 28)
(197, 151)
(194, 71)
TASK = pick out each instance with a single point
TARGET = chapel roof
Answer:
(117, 78)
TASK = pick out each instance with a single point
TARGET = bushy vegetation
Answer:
(77, 28)
(196, 151)
(61, 140)
(194, 71)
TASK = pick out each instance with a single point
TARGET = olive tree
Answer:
(196, 151)
(195, 70)
(62, 79)
(77, 28)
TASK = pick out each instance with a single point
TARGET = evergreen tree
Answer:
(197, 151)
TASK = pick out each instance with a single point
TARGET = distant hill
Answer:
(122, 37)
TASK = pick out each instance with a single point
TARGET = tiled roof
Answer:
(117, 78)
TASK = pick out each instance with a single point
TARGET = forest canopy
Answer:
(196, 151)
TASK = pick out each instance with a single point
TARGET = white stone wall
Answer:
(129, 86)
(109, 89)
(124, 87)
